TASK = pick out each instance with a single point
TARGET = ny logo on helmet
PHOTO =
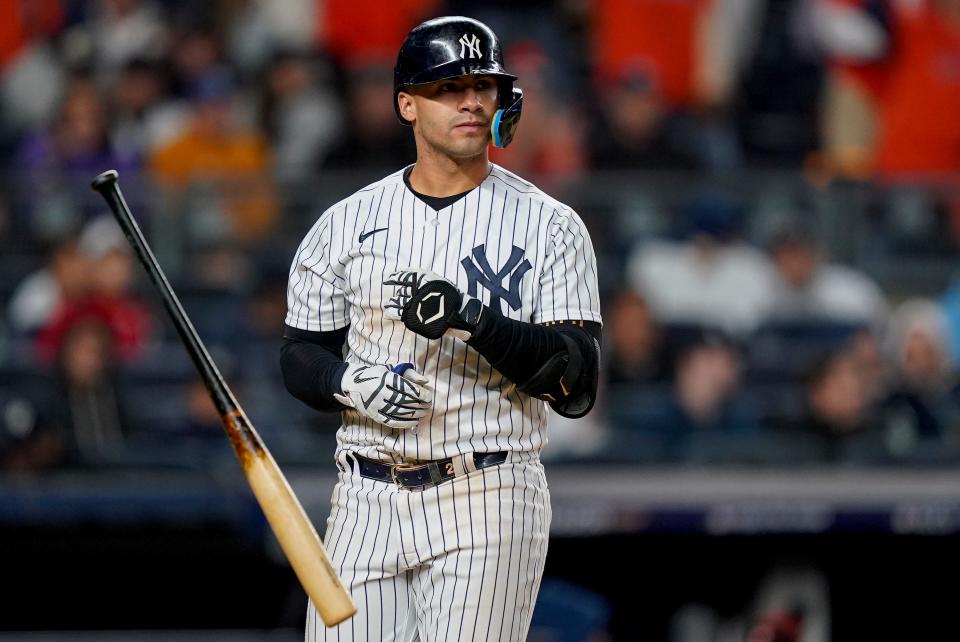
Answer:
(472, 42)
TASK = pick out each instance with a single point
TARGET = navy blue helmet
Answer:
(455, 46)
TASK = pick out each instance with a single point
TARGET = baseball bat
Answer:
(286, 516)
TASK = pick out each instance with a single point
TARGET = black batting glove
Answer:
(430, 305)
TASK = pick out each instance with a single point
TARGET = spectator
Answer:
(195, 434)
(898, 55)
(634, 342)
(838, 409)
(223, 159)
(779, 69)
(31, 73)
(144, 116)
(89, 405)
(71, 149)
(28, 444)
(664, 35)
(923, 404)
(302, 115)
(634, 129)
(691, 52)
(704, 399)
(78, 139)
(38, 297)
(710, 278)
(196, 55)
(256, 29)
(108, 297)
(373, 140)
(852, 42)
(804, 287)
(74, 416)
(124, 30)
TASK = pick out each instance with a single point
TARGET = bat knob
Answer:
(108, 177)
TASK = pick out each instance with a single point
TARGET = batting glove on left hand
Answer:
(431, 305)
(388, 397)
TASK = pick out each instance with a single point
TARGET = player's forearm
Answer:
(559, 364)
(312, 373)
(516, 349)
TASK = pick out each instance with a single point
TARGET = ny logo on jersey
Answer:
(473, 43)
(479, 272)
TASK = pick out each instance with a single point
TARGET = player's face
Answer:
(453, 116)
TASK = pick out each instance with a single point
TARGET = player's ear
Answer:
(408, 109)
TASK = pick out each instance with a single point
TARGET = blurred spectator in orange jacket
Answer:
(663, 34)
(219, 154)
(896, 83)
(692, 54)
(345, 29)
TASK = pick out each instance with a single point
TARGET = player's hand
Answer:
(431, 305)
(386, 396)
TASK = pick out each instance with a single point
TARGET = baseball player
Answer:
(441, 310)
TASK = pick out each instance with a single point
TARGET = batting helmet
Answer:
(455, 46)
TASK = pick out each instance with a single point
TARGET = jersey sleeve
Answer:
(315, 297)
(568, 281)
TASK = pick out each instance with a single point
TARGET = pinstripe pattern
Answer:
(335, 280)
(461, 560)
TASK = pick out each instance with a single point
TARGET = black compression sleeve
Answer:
(516, 349)
(313, 366)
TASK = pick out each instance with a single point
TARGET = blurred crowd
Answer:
(770, 186)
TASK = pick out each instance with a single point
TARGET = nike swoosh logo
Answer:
(359, 380)
(365, 235)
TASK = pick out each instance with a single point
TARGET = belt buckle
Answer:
(394, 468)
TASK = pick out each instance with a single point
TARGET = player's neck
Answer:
(437, 175)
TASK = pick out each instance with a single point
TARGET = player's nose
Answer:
(470, 100)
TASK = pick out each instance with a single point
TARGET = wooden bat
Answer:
(286, 516)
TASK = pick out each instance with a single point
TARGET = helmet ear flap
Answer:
(505, 121)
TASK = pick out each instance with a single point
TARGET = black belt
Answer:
(428, 473)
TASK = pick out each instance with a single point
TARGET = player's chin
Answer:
(469, 145)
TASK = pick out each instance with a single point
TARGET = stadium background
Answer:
(771, 190)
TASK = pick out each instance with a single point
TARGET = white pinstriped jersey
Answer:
(505, 242)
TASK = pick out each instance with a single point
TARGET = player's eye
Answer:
(447, 87)
(483, 85)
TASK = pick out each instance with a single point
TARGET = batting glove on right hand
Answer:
(431, 305)
(394, 400)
